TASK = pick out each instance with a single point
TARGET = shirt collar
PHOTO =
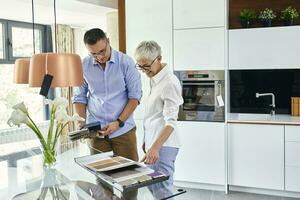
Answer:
(113, 57)
(160, 75)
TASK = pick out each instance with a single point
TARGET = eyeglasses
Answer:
(99, 53)
(145, 67)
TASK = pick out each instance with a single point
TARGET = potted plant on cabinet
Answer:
(246, 17)
(289, 15)
(266, 16)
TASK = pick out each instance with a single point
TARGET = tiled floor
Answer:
(196, 194)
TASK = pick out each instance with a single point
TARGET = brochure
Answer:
(119, 172)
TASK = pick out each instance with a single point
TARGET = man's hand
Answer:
(80, 124)
(151, 157)
(110, 128)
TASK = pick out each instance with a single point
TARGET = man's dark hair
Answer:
(92, 36)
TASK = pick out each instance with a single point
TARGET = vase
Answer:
(245, 23)
(49, 157)
(288, 22)
(267, 23)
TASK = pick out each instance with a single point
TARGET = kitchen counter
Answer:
(262, 119)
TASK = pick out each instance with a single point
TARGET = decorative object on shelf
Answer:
(247, 17)
(58, 120)
(266, 16)
(295, 106)
(289, 15)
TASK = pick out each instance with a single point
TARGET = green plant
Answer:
(289, 13)
(267, 14)
(58, 118)
(247, 15)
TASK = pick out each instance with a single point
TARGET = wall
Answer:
(245, 83)
(79, 44)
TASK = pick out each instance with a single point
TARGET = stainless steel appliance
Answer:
(203, 95)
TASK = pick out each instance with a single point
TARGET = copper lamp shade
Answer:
(21, 70)
(65, 68)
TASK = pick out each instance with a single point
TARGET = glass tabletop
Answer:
(24, 177)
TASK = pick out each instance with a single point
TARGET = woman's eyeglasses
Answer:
(145, 67)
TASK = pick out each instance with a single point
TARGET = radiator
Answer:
(22, 133)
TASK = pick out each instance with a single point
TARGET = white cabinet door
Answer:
(292, 179)
(198, 13)
(201, 158)
(256, 155)
(264, 48)
(149, 20)
(199, 49)
(292, 158)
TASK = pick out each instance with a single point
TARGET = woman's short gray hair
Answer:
(147, 50)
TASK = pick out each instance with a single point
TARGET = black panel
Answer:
(245, 83)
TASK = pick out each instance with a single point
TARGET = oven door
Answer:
(198, 95)
(199, 100)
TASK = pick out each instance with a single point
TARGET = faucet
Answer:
(272, 105)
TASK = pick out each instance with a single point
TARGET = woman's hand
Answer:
(151, 157)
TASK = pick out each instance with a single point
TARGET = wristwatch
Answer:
(121, 123)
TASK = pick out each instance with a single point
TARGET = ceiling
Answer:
(82, 14)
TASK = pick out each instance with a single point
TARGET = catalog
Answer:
(104, 162)
(119, 172)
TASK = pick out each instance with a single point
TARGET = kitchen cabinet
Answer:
(264, 48)
(256, 155)
(201, 158)
(149, 20)
(198, 13)
(199, 49)
(292, 158)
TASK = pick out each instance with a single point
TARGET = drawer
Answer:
(292, 179)
(292, 152)
(292, 133)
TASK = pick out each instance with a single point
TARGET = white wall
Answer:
(79, 44)
(112, 32)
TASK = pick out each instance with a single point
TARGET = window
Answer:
(22, 42)
(11, 94)
(16, 40)
(1, 41)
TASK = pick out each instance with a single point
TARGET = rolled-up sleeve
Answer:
(80, 95)
(133, 80)
(172, 99)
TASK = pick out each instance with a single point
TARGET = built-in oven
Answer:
(203, 94)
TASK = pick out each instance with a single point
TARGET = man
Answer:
(110, 93)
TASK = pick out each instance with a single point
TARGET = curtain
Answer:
(64, 39)
(64, 44)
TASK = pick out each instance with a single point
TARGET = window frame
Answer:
(7, 26)
(4, 40)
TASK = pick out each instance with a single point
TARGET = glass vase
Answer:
(49, 157)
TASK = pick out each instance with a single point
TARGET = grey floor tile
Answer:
(248, 196)
(288, 198)
(197, 194)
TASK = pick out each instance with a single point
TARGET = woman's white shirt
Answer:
(162, 106)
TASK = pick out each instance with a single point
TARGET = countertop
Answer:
(262, 119)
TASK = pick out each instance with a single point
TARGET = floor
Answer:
(197, 194)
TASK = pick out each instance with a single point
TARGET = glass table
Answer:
(24, 177)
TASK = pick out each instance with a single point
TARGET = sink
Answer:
(255, 117)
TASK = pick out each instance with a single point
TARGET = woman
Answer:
(161, 142)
